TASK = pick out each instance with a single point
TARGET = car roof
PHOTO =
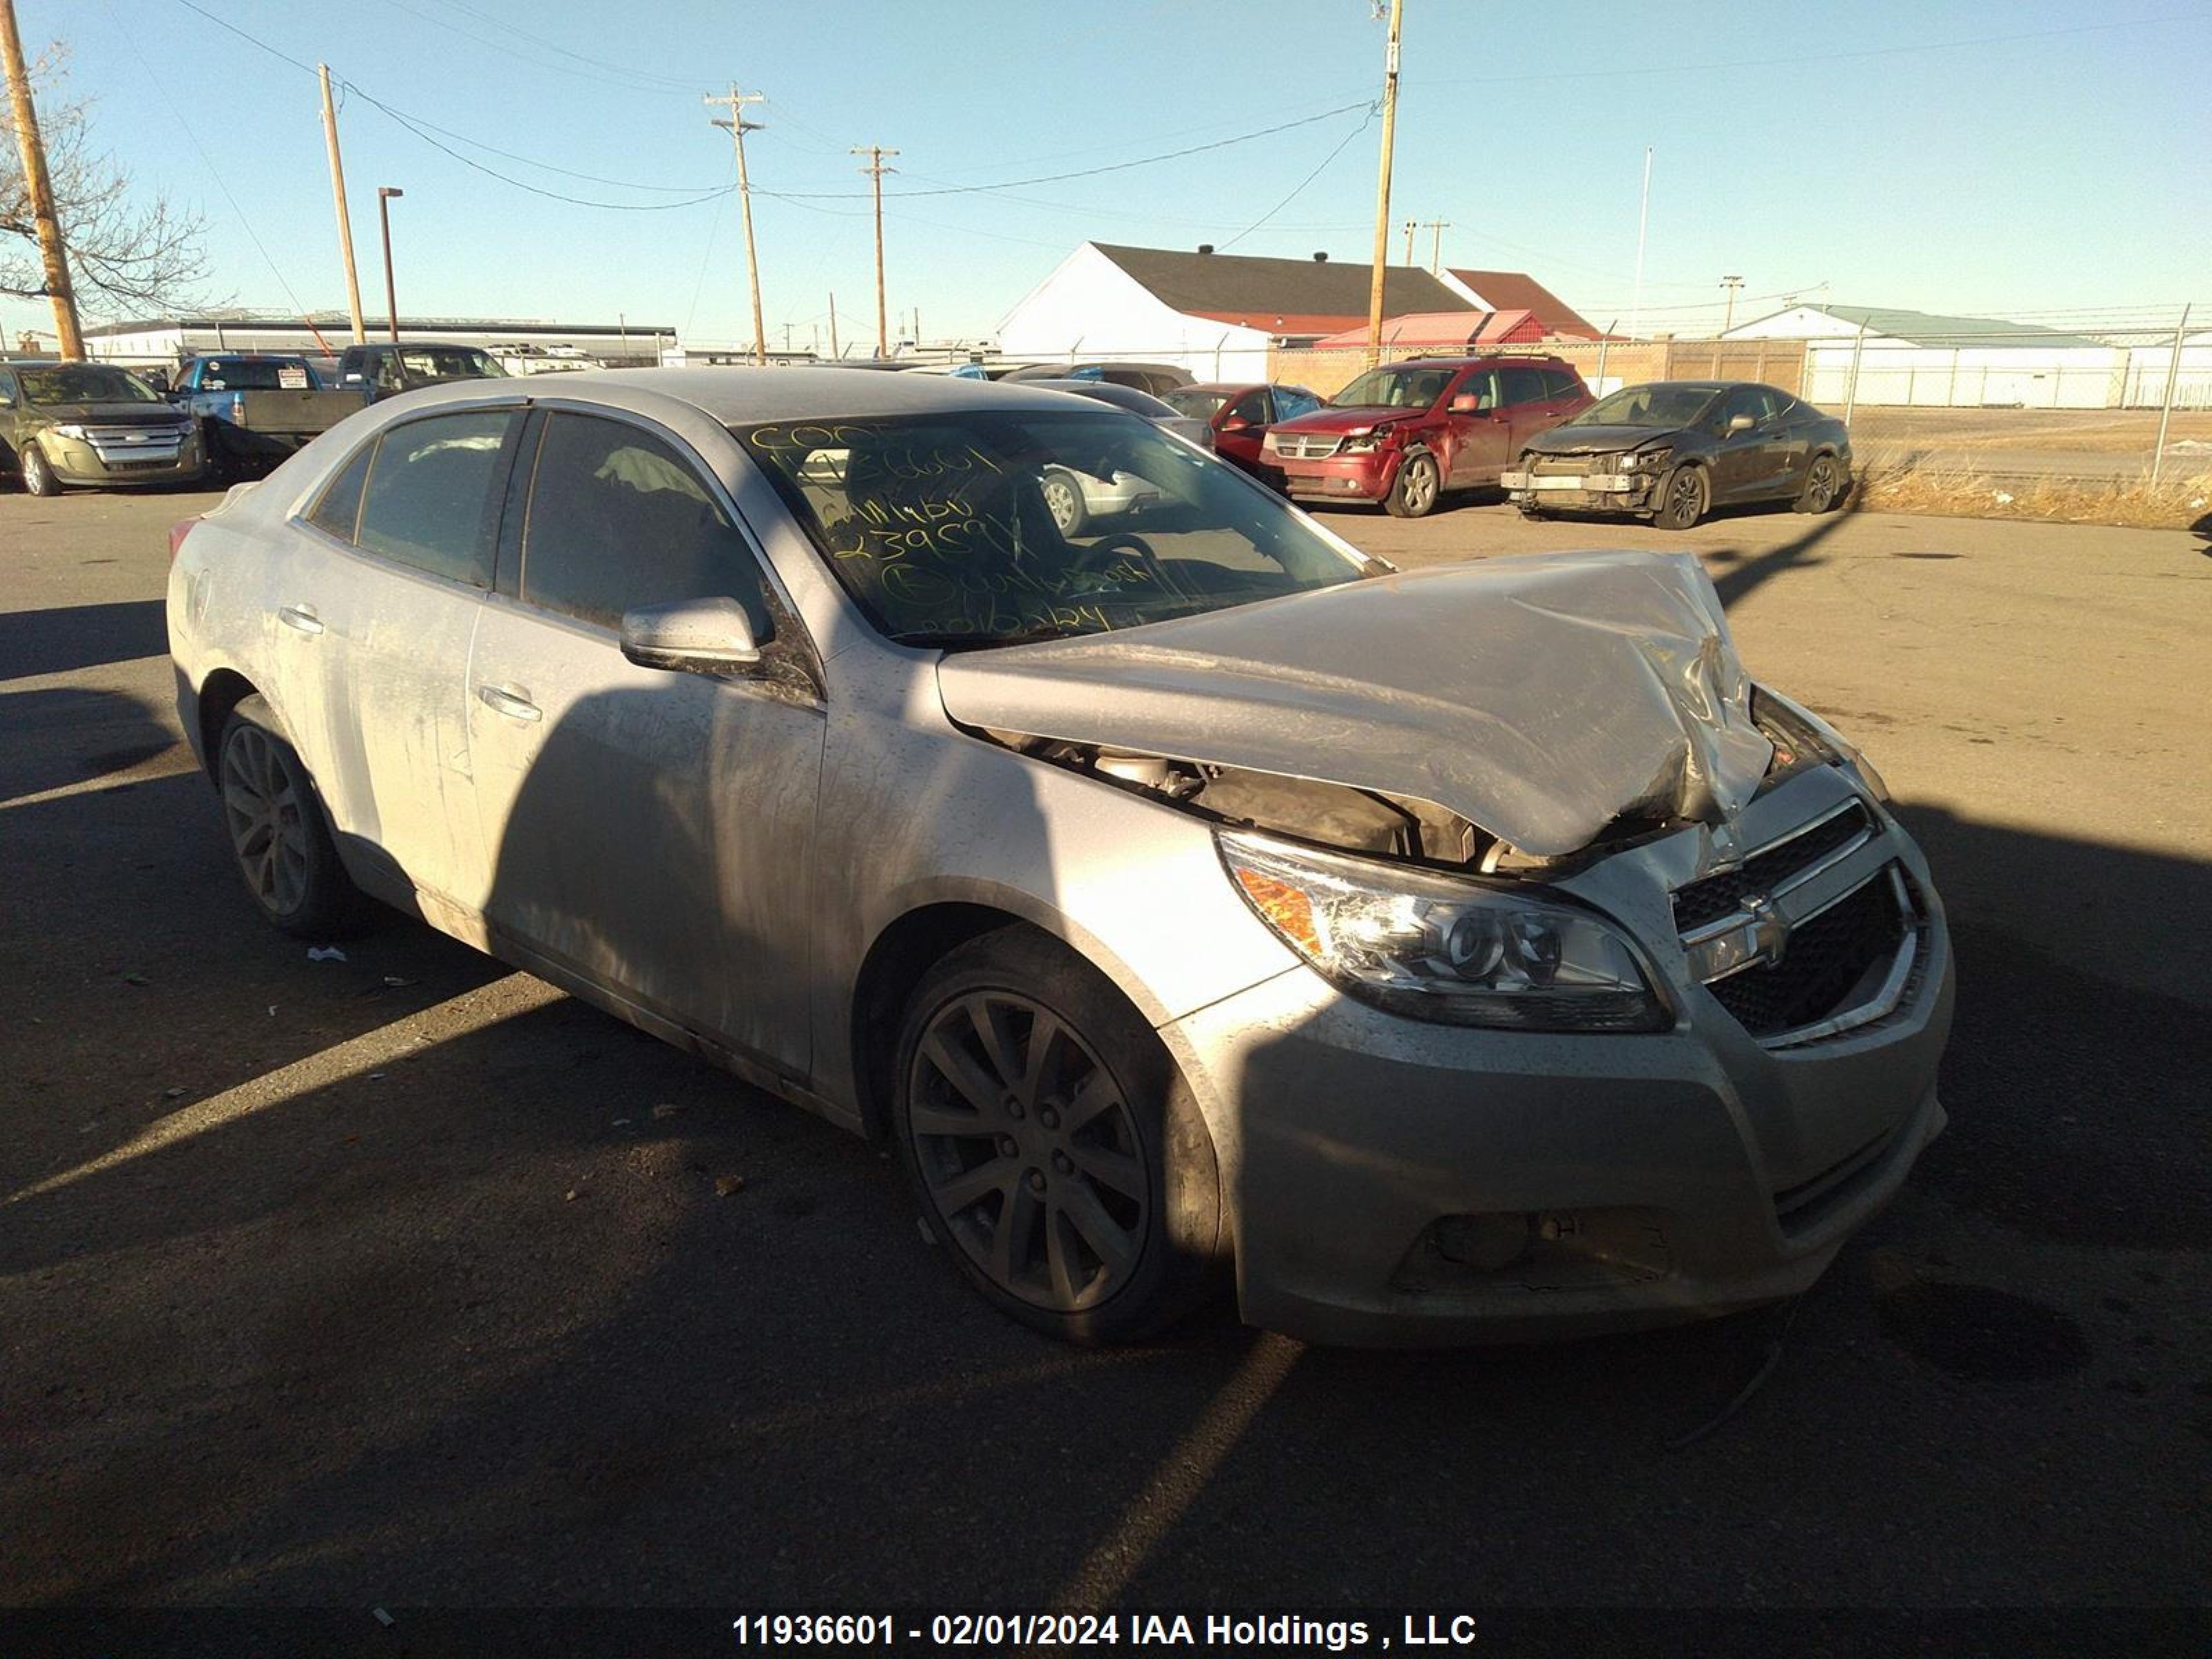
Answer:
(736, 396)
(1477, 359)
(1136, 400)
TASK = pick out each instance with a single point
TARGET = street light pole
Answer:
(383, 195)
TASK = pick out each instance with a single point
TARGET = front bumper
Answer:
(1579, 491)
(1659, 1178)
(1366, 477)
(112, 463)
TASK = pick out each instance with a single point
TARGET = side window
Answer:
(1561, 383)
(6, 385)
(1523, 385)
(1754, 401)
(1252, 406)
(339, 510)
(617, 519)
(429, 497)
(1484, 384)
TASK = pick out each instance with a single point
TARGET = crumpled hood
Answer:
(1599, 440)
(1540, 697)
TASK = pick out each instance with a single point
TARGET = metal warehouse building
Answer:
(167, 339)
(1875, 354)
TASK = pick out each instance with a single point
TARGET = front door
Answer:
(1482, 437)
(651, 831)
(1750, 464)
(1241, 444)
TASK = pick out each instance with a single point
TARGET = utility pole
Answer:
(1730, 284)
(739, 127)
(1437, 229)
(1410, 227)
(53, 255)
(1643, 217)
(383, 195)
(836, 356)
(1383, 186)
(345, 220)
(875, 170)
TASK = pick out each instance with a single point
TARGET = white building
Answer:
(1212, 313)
(1875, 354)
(2148, 366)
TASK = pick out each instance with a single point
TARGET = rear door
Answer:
(373, 621)
(1533, 404)
(649, 832)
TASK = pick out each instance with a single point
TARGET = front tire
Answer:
(39, 473)
(1413, 493)
(279, 837)
(1052, 1146)
(1683, 498)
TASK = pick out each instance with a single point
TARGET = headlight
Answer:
(70, 429)
(1434, 947)
(1361, 442)
(1643, 459)
(1802, 738)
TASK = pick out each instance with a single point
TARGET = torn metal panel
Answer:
(1543, 698)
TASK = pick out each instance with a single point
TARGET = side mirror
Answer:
(692, 636)
(1236, 423)
(1466, 403)
(1740, 423)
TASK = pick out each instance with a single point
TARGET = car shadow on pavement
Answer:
(481, 1330)
(60, 736)
(57, 640)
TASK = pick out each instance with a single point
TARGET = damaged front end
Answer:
(1411, 830)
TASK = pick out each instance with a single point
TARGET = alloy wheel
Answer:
(1821, 485)
(1686, 498)
(1064, 505)
(1029, 1151)
(1417, 486)
(261, 804)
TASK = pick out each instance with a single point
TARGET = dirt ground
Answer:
(403, 1281)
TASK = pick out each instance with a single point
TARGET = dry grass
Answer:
(1964, 493)
(2089, 431)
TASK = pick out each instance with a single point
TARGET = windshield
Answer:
(983, 528)
(1394, 388)
(1660, 407)
(1198, 404)
(84, 382)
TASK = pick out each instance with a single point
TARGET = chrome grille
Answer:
(1703, 903)
(1306, 446)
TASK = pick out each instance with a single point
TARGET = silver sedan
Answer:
(1434, 956)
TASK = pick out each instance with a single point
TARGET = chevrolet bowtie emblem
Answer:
(1770, 929)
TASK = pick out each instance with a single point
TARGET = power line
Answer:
(1297, 188)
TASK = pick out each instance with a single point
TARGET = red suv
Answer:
(1405, 433)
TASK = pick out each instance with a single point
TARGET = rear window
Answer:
(338, 512)
(428, 503)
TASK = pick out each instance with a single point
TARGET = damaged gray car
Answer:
(1438, 957)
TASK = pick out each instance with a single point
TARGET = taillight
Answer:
(178, 531)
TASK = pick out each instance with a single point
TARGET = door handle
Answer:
(300, 617)
(512, 701)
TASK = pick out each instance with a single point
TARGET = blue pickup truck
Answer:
(256, 408)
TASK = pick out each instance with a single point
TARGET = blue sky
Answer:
(1796, 145)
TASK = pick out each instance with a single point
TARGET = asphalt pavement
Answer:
(403, 1281)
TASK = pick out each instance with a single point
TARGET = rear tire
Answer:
(1825, 485)
(1056, 1152)
(1414, 492)
(280, 839)
(39, 473)
(1063, 499)
(1684, 498)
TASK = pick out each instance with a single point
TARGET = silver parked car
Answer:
(1448, 955)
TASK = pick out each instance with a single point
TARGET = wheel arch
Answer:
(220, 693)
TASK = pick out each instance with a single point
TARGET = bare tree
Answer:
(132, 251)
